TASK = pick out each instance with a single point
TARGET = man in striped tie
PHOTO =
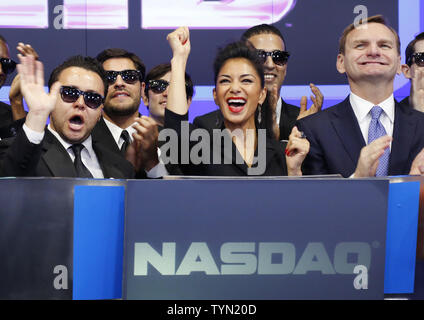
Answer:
(369, 133)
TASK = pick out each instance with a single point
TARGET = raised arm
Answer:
(179, 41)
(40, 104)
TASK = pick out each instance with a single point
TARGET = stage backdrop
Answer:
(61, 28)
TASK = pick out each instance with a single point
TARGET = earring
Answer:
(259, 113)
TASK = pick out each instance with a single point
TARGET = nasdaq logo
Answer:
(248, 258)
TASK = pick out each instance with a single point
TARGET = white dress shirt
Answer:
(278, 109)
(157, 171)
(362, 109)
(88, 156)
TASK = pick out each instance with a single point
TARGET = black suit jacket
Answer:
(288, 117)
(289, 114)
(103, 136)
(21, 158)
(336, 140)
(274, 164)
(8, 127)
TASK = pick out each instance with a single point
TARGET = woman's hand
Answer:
(179, 41)
(296, 151)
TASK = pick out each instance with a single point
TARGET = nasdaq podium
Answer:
(210, 239)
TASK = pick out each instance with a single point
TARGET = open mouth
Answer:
(269, 77)
(120, 94)
(236, 105)
(76, 122)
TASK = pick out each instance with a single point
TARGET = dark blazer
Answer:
(8, 127)
(289, 114)
(102, 134)
(21, 158)
(288, 117)
(336, 140)
(275, 164)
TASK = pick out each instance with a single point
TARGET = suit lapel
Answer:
(404, 125)
(101, 134)
(56, 157)
(347, 128)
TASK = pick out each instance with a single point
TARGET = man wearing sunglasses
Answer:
(156, 91)
(121, 118)
(66, 147)
(369, 133)
(414, 70)
(271, 48)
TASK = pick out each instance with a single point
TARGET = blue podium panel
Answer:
(401, 243)
(48, 251)
(255, 239)
(98, 242)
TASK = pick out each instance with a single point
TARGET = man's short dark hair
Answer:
(87, 63)
(374, 19)
(262, 29)
(160, 70)
(235, 50)
(410, 49)
(121, 53)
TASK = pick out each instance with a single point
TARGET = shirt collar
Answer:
(87, 143)
(116, 130)
(362, 107)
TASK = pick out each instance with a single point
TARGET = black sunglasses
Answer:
(418, 59)
(279, 57)
(7, 65)
(159, 86)
(129, 76)
(70, 95)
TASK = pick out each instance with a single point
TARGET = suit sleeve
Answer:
(315, 163)
(18, 156)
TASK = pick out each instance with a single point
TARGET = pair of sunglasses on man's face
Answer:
(417, 58)
(7, 65)
(128, 76)
(159, 86)
(91, 99)
(278, 57)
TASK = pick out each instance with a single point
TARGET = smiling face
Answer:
(274, 73)
(75, 121)
(4, 53)
(123, 99)
(370, 55)
(238, 91)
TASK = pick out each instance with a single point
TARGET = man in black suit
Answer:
(121, 118)
(65, 148)
(413, 69)
(271, 47)
(369, 133)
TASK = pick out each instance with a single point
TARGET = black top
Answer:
(271, 162)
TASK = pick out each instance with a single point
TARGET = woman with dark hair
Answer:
(238, 146)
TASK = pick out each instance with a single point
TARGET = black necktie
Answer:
(80, 168)
(126, 137)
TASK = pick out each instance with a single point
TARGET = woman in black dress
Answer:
(238, 146)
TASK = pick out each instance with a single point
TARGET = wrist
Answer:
(36, 121)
